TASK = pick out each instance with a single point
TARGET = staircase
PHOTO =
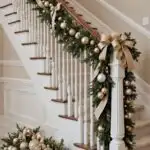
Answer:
(60, 80)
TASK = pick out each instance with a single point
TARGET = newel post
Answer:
(117, 106)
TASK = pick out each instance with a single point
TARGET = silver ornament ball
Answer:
(59, 18)
(100, 128)
(77, 35)
(101, 78)
(46, 4)
(63, 25)
(92, 42)
(100, 95)
(85, 40)
(128, 91)
(96, 50)
(72, 32)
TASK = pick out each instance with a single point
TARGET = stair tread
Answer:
(142, 123)
(68, 117)
(12, 13)
(143, 141)
(44, 73)
(9, 4)
(83, 146)
(13, 22)
(21, 31)
(61, 101)
(50, 88)
(36, 58)
(29, 43)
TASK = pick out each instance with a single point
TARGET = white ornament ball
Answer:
(100, 128)
(50, 5)
(101, 78)
(63, 25)
(15, 140)
(23, 145)
(77, 35)
(85, 40)
(14, 148)
(104, 90)
(128, 91)
(100, 95)
(60, 18)
(96, 50)
(72, 32)
(33, 144)
(92, 42)
(127, 83)
(10, 147)
(46, 4)
(5, 148)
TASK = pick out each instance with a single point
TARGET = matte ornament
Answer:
(127, 83)
(72, 32)
(77, 35)
(100, 128)
(96, 50)
(46, 4)
(128, 91)
(23, 145)
(101, 78)
(10, 148)
(63, 25)
(14, 148)
(92, 42)
(85, 40)
(100, 95)
(60, 18)
(15, 140)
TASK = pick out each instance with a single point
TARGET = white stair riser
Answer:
(8, 9)
(12, 18)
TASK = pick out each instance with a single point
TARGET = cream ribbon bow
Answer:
(54, 13)
(123, 54)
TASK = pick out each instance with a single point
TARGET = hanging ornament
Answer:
(96, 50)
(85, 40)
(63, 25)
(15, 140)
(104, 90)
(101, 77)
(43, 11)
(107, 70)
(23, 145)
(100, 129)
(77, 35)
(92, 42)
(128, 91)
(59, 18)
(100, 95)
(127, 83)
(46, 4)
(72, 32)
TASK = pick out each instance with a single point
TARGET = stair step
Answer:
(29, 43)
(61, 101)
(36, 58)
(51, 88)
(142, 128)
(12, 13)
(9, 4)
(13, 22)
(44, 73)
(21, 31)
(68, 117)
(83, 146)
(143, 143)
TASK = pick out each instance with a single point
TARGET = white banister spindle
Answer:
(85, 102)
(81, 106)
(117, 106)
(76, 89)
(98, 144)
(70, 105)
(56, 60)
(92, 134)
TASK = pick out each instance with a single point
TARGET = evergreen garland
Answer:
(73, 43)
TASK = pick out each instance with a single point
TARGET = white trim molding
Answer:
(14, 63)
(125, 18)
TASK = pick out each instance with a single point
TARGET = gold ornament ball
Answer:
(128, 91)
(46, 4)
(104, 90)
(92, 42)
(63, 25)
(85, 40)
(15, 140)
(101, 78)
(77, 35)
(23, 145)
(72, 32)
(100, 95)
(96, 50)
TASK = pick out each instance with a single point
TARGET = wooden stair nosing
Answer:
(51, 88)
(68, 117)
(21, 31)
(29, 43)
(83, 146)
(61, 101)
(36, 58)
(9, 4)
(13, 22)
(12, 13)
(44, 73)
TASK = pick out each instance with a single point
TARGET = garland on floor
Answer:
(77, 37)
(30, 139)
